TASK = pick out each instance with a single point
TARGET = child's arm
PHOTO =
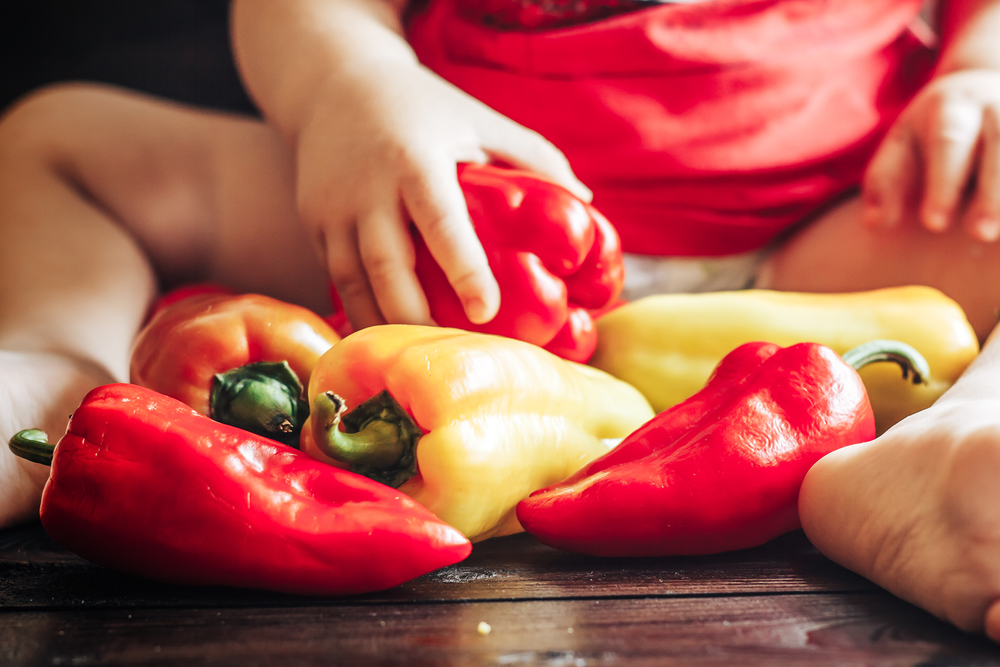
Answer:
(377, 137)
(940, 162)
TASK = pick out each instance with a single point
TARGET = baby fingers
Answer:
(982, 218)
(349, 278)
(949, 145)
(435, 201)
(892, 180)
(388, 256)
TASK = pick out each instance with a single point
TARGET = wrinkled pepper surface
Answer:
(467, 424)
(143, 484)
(667, 345)
(242, 359)
(722, 470)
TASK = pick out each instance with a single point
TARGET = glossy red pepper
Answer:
(553, 256)
(144, 484)
(722, 470)
(242, 359)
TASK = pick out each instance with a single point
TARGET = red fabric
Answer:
(544, 14)
(703, 129)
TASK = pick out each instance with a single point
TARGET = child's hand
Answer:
(940, 162)
(378, 150)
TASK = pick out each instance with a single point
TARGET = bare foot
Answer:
(917, 510)
(37, 390)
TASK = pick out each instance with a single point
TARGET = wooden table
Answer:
(780, 604)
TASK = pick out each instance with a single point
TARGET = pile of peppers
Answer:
(417, 441)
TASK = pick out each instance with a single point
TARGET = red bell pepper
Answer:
(554, 257)
(721, 470)
(143, 484)
(241, 359)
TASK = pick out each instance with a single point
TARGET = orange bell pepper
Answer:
(242, 360)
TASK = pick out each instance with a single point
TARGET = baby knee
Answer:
(36, 123)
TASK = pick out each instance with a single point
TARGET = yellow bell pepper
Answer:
(467, 424)
(667, 345)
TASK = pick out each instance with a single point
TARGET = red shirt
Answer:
(703, 129)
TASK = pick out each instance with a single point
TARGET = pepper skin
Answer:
(553, 256)
(143, 484)
(467, 424)
(718, 472)
(667, 345)
(213, 350)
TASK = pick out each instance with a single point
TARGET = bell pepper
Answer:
(142, 483)
(467, 424)
(721, 470)
(553, 256)
(667, 345)
(243, 360)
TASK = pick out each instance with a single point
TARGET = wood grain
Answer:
(825, 629)
(38, 573)
(779, 604)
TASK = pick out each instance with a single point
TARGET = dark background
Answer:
(172, 48)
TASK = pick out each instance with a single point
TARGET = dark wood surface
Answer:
(780, 604)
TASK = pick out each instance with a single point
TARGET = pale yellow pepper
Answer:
(490, 419)
(667, 345)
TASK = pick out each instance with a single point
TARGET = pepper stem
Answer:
(32, 444)
(911, 361)
(379, 438)
(264, 397)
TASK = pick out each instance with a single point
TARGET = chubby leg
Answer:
(917, 510)
(104, 196)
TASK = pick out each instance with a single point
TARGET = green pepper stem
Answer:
(32, 444)
(905, 356)
(263, 397)
(379, 439)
